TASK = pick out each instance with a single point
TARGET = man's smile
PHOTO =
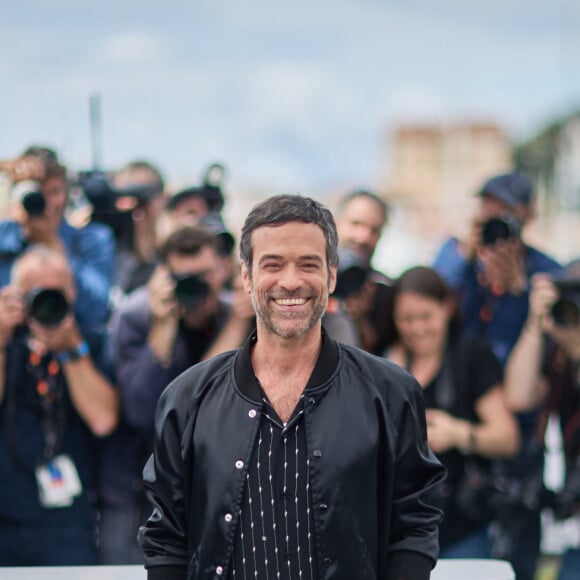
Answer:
(290, 301)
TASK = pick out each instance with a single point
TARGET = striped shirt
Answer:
(275, 536)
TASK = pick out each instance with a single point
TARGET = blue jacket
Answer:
(508, 311)
(91, 252)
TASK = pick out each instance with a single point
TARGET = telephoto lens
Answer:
(495, 229)
(47, 306)
(190, 290)
(566, 310)
(28, 194)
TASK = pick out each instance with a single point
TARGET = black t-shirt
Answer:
(472, 371)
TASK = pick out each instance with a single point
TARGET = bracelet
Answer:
(471, 442)
(74, 354)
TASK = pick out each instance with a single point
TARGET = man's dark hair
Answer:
(187, 241)
(282, 209)
(46, 154)
(157, 181)
(365, 193)
(57, 170)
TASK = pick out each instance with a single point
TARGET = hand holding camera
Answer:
(51, 321)
(162, 295)
(12, 313)
(500, 252)
(23, 169)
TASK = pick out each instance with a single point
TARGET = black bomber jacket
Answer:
(364, 414)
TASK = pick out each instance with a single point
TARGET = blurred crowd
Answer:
(110, 287)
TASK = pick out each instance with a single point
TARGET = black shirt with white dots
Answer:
(275, 539)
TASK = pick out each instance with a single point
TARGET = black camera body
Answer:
(566, 310)
(47, 306)
(29, 195)
(500, 228)
(105, 199)
(190, 290)
(566, 502)
(352, 273)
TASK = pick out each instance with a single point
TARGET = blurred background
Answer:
(420, 101)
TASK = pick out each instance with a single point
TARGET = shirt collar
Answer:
(323, 370)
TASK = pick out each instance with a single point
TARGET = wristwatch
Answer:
(73, 354)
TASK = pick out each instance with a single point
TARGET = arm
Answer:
(164, 537)
(91, 393)
(454, 264)
(141, 377)
(12, 313)
(525, 387)
(93, 396)
(413, 542)
(496, 435)
(237, 327)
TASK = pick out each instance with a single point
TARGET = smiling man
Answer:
(294, 456)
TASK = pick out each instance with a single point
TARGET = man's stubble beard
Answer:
(263, 314)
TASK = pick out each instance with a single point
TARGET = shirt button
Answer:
(252, 413)
(228, 518)
(239, 464)
(312, 401)
(317, 453)
(219, 570)
(322, 507)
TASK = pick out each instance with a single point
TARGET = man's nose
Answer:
(290, 278)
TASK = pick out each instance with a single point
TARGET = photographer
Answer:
(360, 220)
(490, 271)
(39, 207)
(143, 186)
(161, 329)
(54, 402)
(542, 374)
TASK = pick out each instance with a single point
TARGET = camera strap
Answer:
(48, 401)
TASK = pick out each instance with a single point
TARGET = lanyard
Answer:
(47, 398)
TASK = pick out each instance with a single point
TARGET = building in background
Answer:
(434, 172)
(441, 165)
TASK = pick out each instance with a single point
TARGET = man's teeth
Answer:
(290, 301)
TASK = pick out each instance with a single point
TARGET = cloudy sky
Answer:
(296, 95)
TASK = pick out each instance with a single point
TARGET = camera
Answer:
(215, 224)
(190, 290)
(500, 228)
(566, 310)
(566, 502)
(351, 275)
(30, 197)
(47, 306)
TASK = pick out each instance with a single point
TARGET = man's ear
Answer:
(246, 277)
(332, 279)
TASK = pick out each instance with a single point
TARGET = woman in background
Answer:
(468, 422)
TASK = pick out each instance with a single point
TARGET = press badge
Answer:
(58, 482)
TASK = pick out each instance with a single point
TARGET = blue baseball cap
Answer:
(512, 188)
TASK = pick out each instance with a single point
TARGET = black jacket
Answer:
(372, 469)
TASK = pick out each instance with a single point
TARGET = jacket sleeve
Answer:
(163, 538)
(451, 265)
(140, 377)
(414, 534)
(92, 258)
